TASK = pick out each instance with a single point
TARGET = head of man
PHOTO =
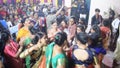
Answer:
(62, 12)
(97, 11)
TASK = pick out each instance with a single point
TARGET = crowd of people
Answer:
(44, 36)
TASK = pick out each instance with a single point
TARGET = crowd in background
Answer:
(44, 36)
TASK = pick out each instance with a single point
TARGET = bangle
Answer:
(28, 51)
(39, 47)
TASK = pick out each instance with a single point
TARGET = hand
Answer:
(20, 49)
(39, 45)
(21, 42)
(63, 6)
(97, 66)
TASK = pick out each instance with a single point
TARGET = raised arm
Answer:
(57, 13)
(30, 50)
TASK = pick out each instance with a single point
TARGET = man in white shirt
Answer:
(114, 34)
(117, 51)
(115, 24)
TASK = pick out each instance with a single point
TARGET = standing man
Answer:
(115, 32)
(51, 17)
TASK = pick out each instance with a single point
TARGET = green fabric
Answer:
(53, 60)
(27, 41)
(56, 58)
(27, 59)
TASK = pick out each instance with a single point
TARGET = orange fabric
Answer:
(43, 62)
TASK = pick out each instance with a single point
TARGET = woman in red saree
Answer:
(11, 52)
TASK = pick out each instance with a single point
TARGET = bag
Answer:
(108, 59)
(43, 62)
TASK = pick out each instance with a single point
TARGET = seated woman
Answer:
(55, 56)
(95, 42)
(82, 56)
(33, 53)
(11, 52)
(106, 33)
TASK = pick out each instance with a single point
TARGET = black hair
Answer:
(23, 20)
(97, 10)
(82, 37)
(96, 36)
(63, 10)
(81, 27)
(64, 21)
(53, 12)
(38, 36)
(82, 19)
(54, 21)
(118, 15)
(4, 37)
(97, 30)
(33, 30)
(73, 17)
(35, 13)
(106, 22)
(60, 38)
(95, 39)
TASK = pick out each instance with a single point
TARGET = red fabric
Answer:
(3, 13)
(9, 52)
(104, 30)
(91, 66)
(19, 11)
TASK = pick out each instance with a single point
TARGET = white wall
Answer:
(104, 6)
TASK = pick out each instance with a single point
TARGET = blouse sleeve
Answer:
(9, 51)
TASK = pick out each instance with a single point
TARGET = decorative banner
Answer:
(49, 1)
(1, 1)
(4, 1)
(42, 1)
(56, 3)
(17, 1)
(31, 1)
(22, 0)
(26, 1)
(34, 1)
(68, 3)
(8, 1)
(45, 1)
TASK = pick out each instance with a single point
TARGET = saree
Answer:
(106, 33)
(22, 33)
(9, 56)
(59, 59)
(41, 62)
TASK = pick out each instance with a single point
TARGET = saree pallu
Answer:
(59, 59)
(41, 63)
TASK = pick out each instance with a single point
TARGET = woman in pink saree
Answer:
(11, 52)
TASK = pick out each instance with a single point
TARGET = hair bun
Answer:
(60, 38)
